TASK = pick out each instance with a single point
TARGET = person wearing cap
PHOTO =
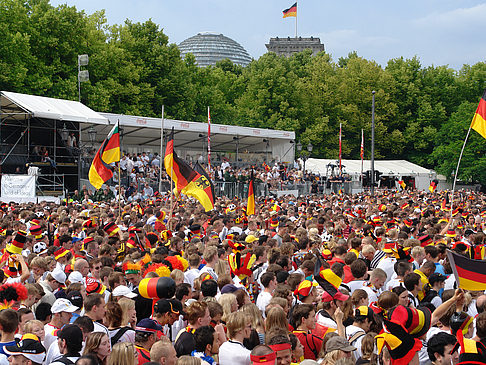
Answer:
(304, 318)
(123, 291)
(76, 298)
(70, 342)
(437, 282)
(167, 311)
(145, 337)
(62, 310)
(28, 351)
(263, 355)
(306, 292)
(363, 319)
(338, 347)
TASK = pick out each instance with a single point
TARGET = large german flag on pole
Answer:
(292, 11)
(178, 170)
(479, 120)
(109, 152)
(470, 274)
(250, 206)
(201, 188)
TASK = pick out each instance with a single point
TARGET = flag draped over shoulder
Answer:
(250, 206)
(479, 120)
(470, 274)
(109, 152)
(201, 188)
(292, 11)
(179, 170)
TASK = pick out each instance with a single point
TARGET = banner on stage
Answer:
(18, 186)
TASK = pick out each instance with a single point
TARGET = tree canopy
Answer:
(422, 113)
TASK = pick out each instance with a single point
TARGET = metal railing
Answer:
(50, 185)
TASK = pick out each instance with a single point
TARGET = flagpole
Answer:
(209, 143)
(296, 24)
(340, 149)
(161, 150)
(457, 170)
(362, 157)
(119, 174)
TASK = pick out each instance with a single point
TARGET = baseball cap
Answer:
(63, 305)
(148, 325)
(435, 277)
(228, 288)
(28, 346)
(59, 275)
(123, 291)
(75, 298)
(168, 305)
(75, 277)
(71, 333)
(250, 238)
(339, 343)
(326, 297)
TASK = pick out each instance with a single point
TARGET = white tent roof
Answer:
(386, 167)
(48, 108)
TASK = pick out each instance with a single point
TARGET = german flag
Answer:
(444, 204)
(402, 184)
(470, 274)
(292, 11)
(178, 170)
(433, 185)
(201, 188)
(479, 120)
(109, 152)
(250, 206)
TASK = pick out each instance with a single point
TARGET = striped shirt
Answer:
(379, 255)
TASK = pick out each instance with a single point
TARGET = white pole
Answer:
(457, 170)
(296, 13)
(161, 151)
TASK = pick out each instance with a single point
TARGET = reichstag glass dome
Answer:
(209, 48)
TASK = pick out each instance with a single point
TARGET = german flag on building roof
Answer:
(109, 152)
(479, 120)
(470, 274)
(292, 11)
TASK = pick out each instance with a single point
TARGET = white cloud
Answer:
(453, 20)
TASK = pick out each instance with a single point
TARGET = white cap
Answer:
(123, 291)
(417, 210)
(63, 305)
(59, 275)
(75, 277)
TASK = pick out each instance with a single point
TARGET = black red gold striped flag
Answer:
(326, 278)
(433, 185)
(109, 152)
(179, 170)
(250, 206)
(292, 11)
(479, 120)
(470, 274)
(402, 184)
(201, 188)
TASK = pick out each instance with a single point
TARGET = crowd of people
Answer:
(320, 279)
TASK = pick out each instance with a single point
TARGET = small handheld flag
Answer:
(470, 274)
(292, 11)
(433, 185)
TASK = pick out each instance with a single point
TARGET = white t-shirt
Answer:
(263, 300)
(387, 265)
(351, 330)
(233, 353)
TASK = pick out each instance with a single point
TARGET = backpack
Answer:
(64, 360)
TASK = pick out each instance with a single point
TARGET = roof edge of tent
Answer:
(181, 125)
(57, 109)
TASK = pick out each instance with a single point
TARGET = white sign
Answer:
(18, 186)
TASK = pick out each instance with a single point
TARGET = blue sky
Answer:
(442, 32)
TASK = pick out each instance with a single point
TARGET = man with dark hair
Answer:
(439, 348)
(70, 342)
(401, 268)
(9, 322)
(363, 319)
(283, 348)
(94, 308)
(209, 288)
(413, 284)
(269, 282)
(359, 270)
(207, 344)
(304, 318)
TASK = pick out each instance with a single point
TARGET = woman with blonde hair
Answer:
(113, 320)
(229, 303)
(129, 316)
(276, 320)
(98, 343)
(256, 319)
(124, 353)
(188, 360)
